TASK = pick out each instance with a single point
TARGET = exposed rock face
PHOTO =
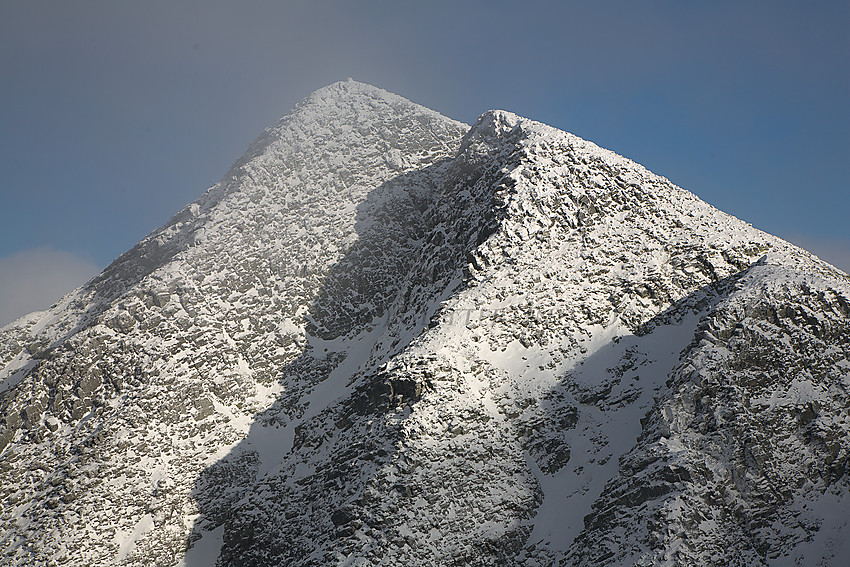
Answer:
(387, 338)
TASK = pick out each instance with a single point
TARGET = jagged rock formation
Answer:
(386, 338)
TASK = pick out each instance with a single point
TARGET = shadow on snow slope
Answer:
(305, 479)
(330, 430)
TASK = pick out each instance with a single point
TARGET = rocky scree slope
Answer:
(386, 338)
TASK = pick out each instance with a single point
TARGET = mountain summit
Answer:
(387, 338)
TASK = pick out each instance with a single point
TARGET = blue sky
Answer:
(115, 115)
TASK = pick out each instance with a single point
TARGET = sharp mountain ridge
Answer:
(389, 338)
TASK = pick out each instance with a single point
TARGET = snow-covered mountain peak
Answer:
(386, 338)
(347, 115)
(355, 95)
(492, 125)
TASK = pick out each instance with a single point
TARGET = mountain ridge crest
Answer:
(387, 337)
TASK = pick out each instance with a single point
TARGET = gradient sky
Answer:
(114, 115)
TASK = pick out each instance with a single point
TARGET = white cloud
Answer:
(32, 280)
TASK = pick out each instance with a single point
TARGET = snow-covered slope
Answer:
(387, 338)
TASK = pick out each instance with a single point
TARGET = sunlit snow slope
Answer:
(386, 338)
